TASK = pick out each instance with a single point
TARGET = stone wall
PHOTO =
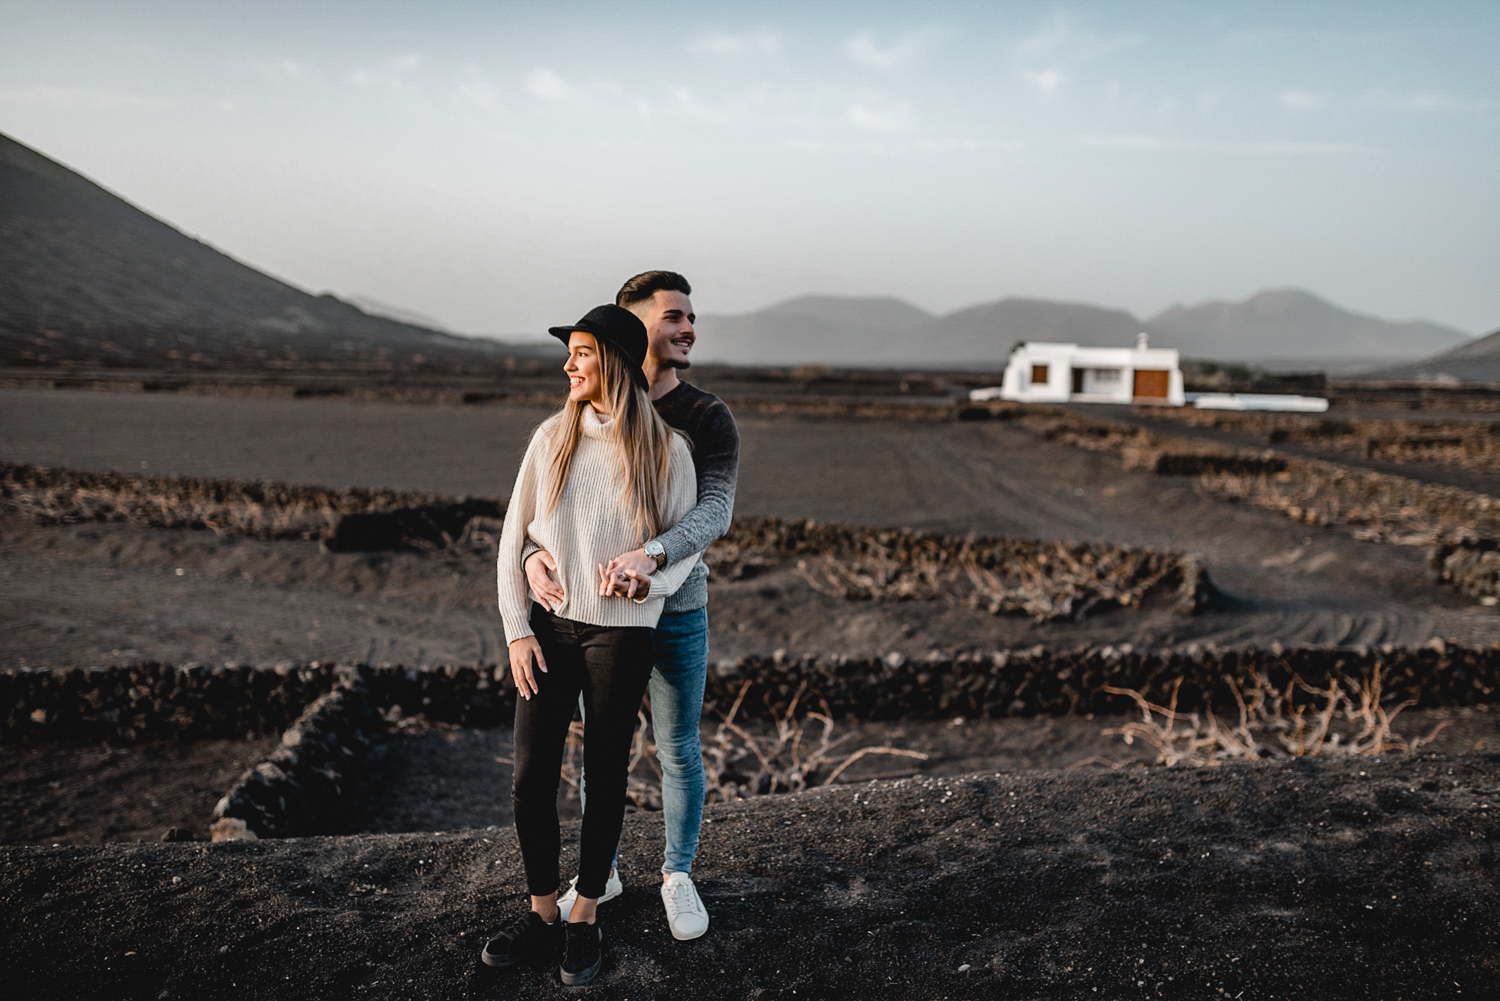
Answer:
(155, 702)
(306, 783)
(149, 701)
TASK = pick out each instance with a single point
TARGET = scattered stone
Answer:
(231, 829)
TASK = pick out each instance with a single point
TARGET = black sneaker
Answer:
(527, 939)
(584, 953)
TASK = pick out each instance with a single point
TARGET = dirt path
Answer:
(1351, 879)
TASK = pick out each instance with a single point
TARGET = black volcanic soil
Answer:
(1336, 879)
(83, 795)
(1340, 878)
(442, 777)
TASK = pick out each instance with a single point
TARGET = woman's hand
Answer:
(622, 583)
(522, 652)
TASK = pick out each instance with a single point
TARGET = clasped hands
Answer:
(626, 576)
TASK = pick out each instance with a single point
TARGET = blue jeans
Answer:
(676, 690)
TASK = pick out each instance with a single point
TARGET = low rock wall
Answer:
(154, 702)
(1042, 682)
(305, 784)
(149, 701)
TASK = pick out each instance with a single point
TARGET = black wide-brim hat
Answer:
(620, 329)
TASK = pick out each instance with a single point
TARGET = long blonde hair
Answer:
(643, 440)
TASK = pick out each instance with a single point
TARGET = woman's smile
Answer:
(585, 380)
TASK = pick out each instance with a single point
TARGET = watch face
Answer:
(654, 548)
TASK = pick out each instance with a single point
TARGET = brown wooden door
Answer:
(1151, 384)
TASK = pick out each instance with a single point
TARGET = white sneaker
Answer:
(612, 889)
(686, 915)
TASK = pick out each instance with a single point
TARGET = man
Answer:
(660, 299)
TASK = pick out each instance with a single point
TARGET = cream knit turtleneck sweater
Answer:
(588, 527)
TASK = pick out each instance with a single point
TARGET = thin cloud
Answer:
(547, 85)
(1063, 40)
(78, 99)
(1436, 101)
(686, 103)
(878, 147)
(887, 118)
(1052, 54)
(1044, 82)
(1199, 146)
(1426, 101)
(1302, 100)
(390, 75)
(719, 43)
(864, 49)
(471, 88)
(280, 70)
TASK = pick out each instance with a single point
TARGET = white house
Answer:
(1042, 372)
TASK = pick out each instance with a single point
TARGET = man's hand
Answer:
(522, 652)
(542, 584)
(622, 583)
(636, 562)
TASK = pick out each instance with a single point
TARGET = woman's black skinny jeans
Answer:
(610, 665)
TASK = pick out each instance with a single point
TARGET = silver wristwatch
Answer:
(657, 552)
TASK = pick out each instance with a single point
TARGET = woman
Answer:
(600, 477)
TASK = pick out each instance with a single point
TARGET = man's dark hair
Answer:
(646, 284)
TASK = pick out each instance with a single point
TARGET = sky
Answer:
(499, 167)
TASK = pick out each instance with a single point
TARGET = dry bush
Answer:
(1378, 507)
(1045, 580)
(643, 791)
(1273, 723)
(1461, 526)
(1463, 444)
(737, 765)
(227, 507)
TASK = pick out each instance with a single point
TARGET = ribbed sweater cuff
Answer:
(516, 627)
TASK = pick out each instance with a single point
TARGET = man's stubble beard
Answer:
(677, 363)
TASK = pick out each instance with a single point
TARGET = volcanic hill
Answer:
(86, 277)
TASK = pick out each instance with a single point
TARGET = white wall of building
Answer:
(1040, 372)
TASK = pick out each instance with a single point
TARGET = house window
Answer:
(1039, 374)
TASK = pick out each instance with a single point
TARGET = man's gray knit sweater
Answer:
(705, 419)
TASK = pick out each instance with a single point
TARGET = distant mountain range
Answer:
(87, 277)
(1279, 327)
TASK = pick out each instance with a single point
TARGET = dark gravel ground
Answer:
(51, 793)
(1335, 879)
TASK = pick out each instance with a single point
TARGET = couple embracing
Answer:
(603, 594)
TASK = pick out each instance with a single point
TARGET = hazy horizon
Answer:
(500, 169)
